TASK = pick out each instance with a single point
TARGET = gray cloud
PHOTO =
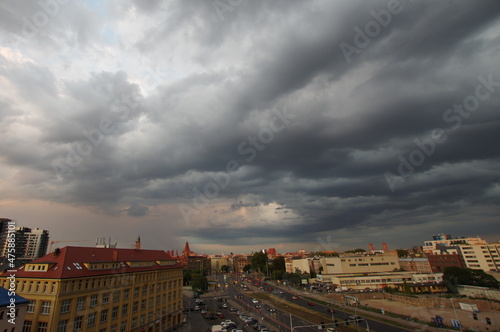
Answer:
(148, 103)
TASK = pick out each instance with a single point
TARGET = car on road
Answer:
(331, 329)
(255, 301)
(310, 303)
(220, 315)
(295, 298)
(330, 310)
(224, 306)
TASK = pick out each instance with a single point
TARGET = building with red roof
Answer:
(100, 289)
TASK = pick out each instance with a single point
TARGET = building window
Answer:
(134, 322)
(27, 326)
(42, 326)
(77, 325)
(123, 328)
(65, 306)
(136, 292)
(151, 302)
(124, 309)
(105, 298)
(143, 304)
(93, 300)
(31, 306)
(151, 289)
(91, 319)
(114, 313)
(104, 315)
(45, 308)
(144, 290)
(125, 294)
(116, 296)
(80, 303)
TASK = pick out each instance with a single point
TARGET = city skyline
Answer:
(243, 125)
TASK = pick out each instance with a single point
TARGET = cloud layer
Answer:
(249, 123)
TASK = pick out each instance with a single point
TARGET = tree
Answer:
(453, 276)
(259, 261)
(247, 268)
(277, 274)
(199, 283)
(187, 276)
(279, 263)
(224, 268)
(402, 253)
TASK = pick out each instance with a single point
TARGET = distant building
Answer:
(217, 262)
(415, 264)
(29, 243)
(100, 289)
(239, 262)
(191, 261)
(444, 240)
(439, 262)
(361, 263)
(377, 280)
(481, 256)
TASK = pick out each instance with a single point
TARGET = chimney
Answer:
(57, 251)
(372, 248)
(384, 245)
(115, 255)
(138, 243)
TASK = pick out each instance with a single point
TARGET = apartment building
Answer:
(29, 243)
(368, 263)
(100, 290)
(445, 240)
(481, 256)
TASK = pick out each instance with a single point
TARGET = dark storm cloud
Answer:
(352, 119)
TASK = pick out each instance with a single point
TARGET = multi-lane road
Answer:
(280, 320)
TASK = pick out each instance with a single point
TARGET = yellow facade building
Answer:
(100, 290)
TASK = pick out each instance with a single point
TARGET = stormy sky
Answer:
(238, 125)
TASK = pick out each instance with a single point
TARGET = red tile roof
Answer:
(64, 268)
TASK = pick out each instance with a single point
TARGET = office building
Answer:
(101, 289)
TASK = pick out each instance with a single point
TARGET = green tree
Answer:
(187, 276)
(224, 268)
(247, 268)
(279, 263)
(259, 261)
(402, 253)
(453, 276)
(199, 283)
(277, 274)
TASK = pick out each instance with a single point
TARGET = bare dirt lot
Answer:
(425, 314)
